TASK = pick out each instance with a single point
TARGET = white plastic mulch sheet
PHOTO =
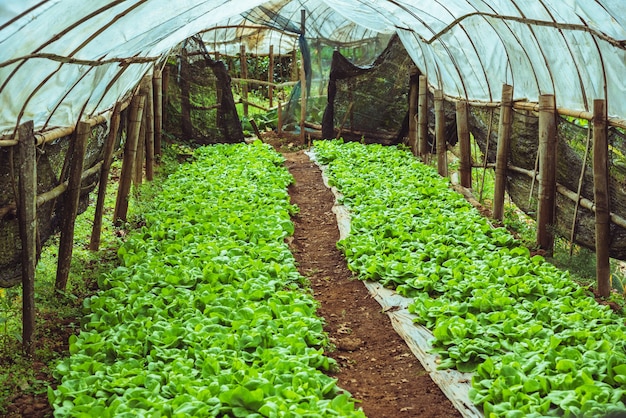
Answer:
(454, 384)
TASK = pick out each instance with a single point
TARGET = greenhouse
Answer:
(286, 208)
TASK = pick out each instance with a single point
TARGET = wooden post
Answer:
(157, 90)
(303, 83)
(130, 153)
(27, 213)
(66, 244)
(185, 101)
(295, 75)
(270, 77)
(166, 83)
(440, 135)
(462, 128)
(141, 150)
(303, 98)
(148, 112)
(279, 127)
(244, 76)
(422, 118)
(94, 242)
(547, 171)
(413, 91)
(601, 197)
(502, 153)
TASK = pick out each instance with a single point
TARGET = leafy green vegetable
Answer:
(206, 316)
(537, 343)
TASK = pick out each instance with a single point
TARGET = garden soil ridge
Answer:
(375, 364)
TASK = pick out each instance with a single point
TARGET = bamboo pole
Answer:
(547, 172)
(27, 206)
(573, 196)
(157, 104)
(66, 244)
(148, 116)
(601, 197)
(270, 77)
(413, 94)
(130, 154)
(51, 194)
(244, 75)
(440, 135)
(462, 127)
(94, 242)
(502, 153)
(422, 118)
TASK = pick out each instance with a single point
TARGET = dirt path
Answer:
(377, 367)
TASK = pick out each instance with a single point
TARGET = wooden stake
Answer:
(413, 92)
(547, 172)
(96, 231)
(601, 197)
(157, 104)
(244, 75)
(27, 213)
(462, 128)
(270, 77)
(130, 153)
(422, 118)
(440, 135)
(502, 153)
(70, 205)
(148, 116)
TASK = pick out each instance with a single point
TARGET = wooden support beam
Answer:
(130, 154)
(601, 196)
(165, 85)
(70, 205)
(303, 97)
(157, 104)
(295, 75)
(185, 100)
(141, 151)
(148, 115)
(440, 135)
(244, 75)
(462, 128)
(547, 172)
(422, 118)
(413, 93)
(96, 231)
(270, 77)
(27, 214)
(279, 123)
(502, 153)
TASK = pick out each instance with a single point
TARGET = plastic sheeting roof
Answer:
(65, 59)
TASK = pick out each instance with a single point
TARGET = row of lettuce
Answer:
(207, 315)
(537, 343)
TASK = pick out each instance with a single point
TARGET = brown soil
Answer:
(376, 365)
